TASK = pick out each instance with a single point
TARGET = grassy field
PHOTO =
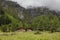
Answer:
(30, 36)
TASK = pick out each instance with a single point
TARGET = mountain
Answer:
(33, 12)
(9, 12)
(17, 11)
(13, 17)
(12, 8)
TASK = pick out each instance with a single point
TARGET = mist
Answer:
(52, 4)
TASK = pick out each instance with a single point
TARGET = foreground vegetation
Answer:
(30, 36)
(11, 20)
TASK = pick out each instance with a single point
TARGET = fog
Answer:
(52, 4)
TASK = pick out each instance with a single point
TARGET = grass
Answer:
(30, 36)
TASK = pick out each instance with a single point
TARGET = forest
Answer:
(41, 18)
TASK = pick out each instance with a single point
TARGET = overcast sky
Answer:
(53, 4)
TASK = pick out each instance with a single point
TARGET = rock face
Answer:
(17, 11)
(12, 8)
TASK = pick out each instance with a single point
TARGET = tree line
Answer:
(48, 22)
(44, 21)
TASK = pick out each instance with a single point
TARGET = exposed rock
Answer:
(19, 12)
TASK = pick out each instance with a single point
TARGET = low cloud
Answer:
(52, 4)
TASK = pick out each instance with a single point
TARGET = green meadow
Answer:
(30, 36)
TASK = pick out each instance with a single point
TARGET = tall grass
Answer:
(30, 36)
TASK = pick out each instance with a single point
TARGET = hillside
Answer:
(14, 17)
(18, 11)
